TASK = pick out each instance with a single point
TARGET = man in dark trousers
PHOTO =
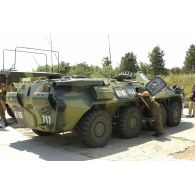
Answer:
(2, 103)
(155, 111)
(191, 111)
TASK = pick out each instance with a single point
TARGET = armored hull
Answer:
(91, 106)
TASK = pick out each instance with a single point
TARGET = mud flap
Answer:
(18, 110)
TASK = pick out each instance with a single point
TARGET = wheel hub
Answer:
(133, 123)
(99, 129)
(175, 114)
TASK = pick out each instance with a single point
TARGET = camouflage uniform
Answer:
(191, 111)
(2, 112)
(2, 105)
(155, 111)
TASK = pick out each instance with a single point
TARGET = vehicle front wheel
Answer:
(96, 128)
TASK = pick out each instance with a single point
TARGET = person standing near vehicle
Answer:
(191, 111)
(155, 111)
(2, 103)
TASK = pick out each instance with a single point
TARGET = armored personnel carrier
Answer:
(91, 106)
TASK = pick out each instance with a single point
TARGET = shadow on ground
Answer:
(56, 147)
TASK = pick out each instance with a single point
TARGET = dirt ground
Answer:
(187, 154)
(178, 143)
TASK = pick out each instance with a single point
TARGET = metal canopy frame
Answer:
(17, 49)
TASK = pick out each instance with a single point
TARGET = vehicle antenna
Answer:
(51, 52)
(110, 55)
(109, 49)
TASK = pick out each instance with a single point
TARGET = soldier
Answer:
(192, 104)
(155, 111)
(2, 103)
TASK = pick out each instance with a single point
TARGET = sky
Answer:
(79, 30)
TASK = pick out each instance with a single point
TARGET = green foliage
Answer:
(96, 72)
(64, 67)
(81, 69)
(116, 71)
(176, 70)
(184, 80)
(42, 68)
(157, 63)
(189, 62)
(129, 63)
(144, 67)
(106, 70)
(106, 61)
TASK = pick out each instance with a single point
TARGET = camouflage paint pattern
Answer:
(58, 105)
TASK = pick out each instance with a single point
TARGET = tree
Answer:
(64, 67)
(176, 70)
(107, 72)
(144, 67)
(157, 63)
(96, 72)
(129, 62)
(116, 71)
(42, 68)
(106, 61)
(61, 68)
(107, 68)
(189, 62)
(81, 69)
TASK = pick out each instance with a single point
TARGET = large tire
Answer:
(164, 114)
(41, 133)
(173, 114)
(129, 122)
(96, 128)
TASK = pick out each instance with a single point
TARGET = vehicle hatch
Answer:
(155, 85)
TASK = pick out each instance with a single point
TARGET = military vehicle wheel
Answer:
(164, 114)
(96, 128)
(41, 133)
(9, 111)
(173, 114)
(129, 122)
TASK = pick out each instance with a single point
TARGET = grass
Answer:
(185, 80)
